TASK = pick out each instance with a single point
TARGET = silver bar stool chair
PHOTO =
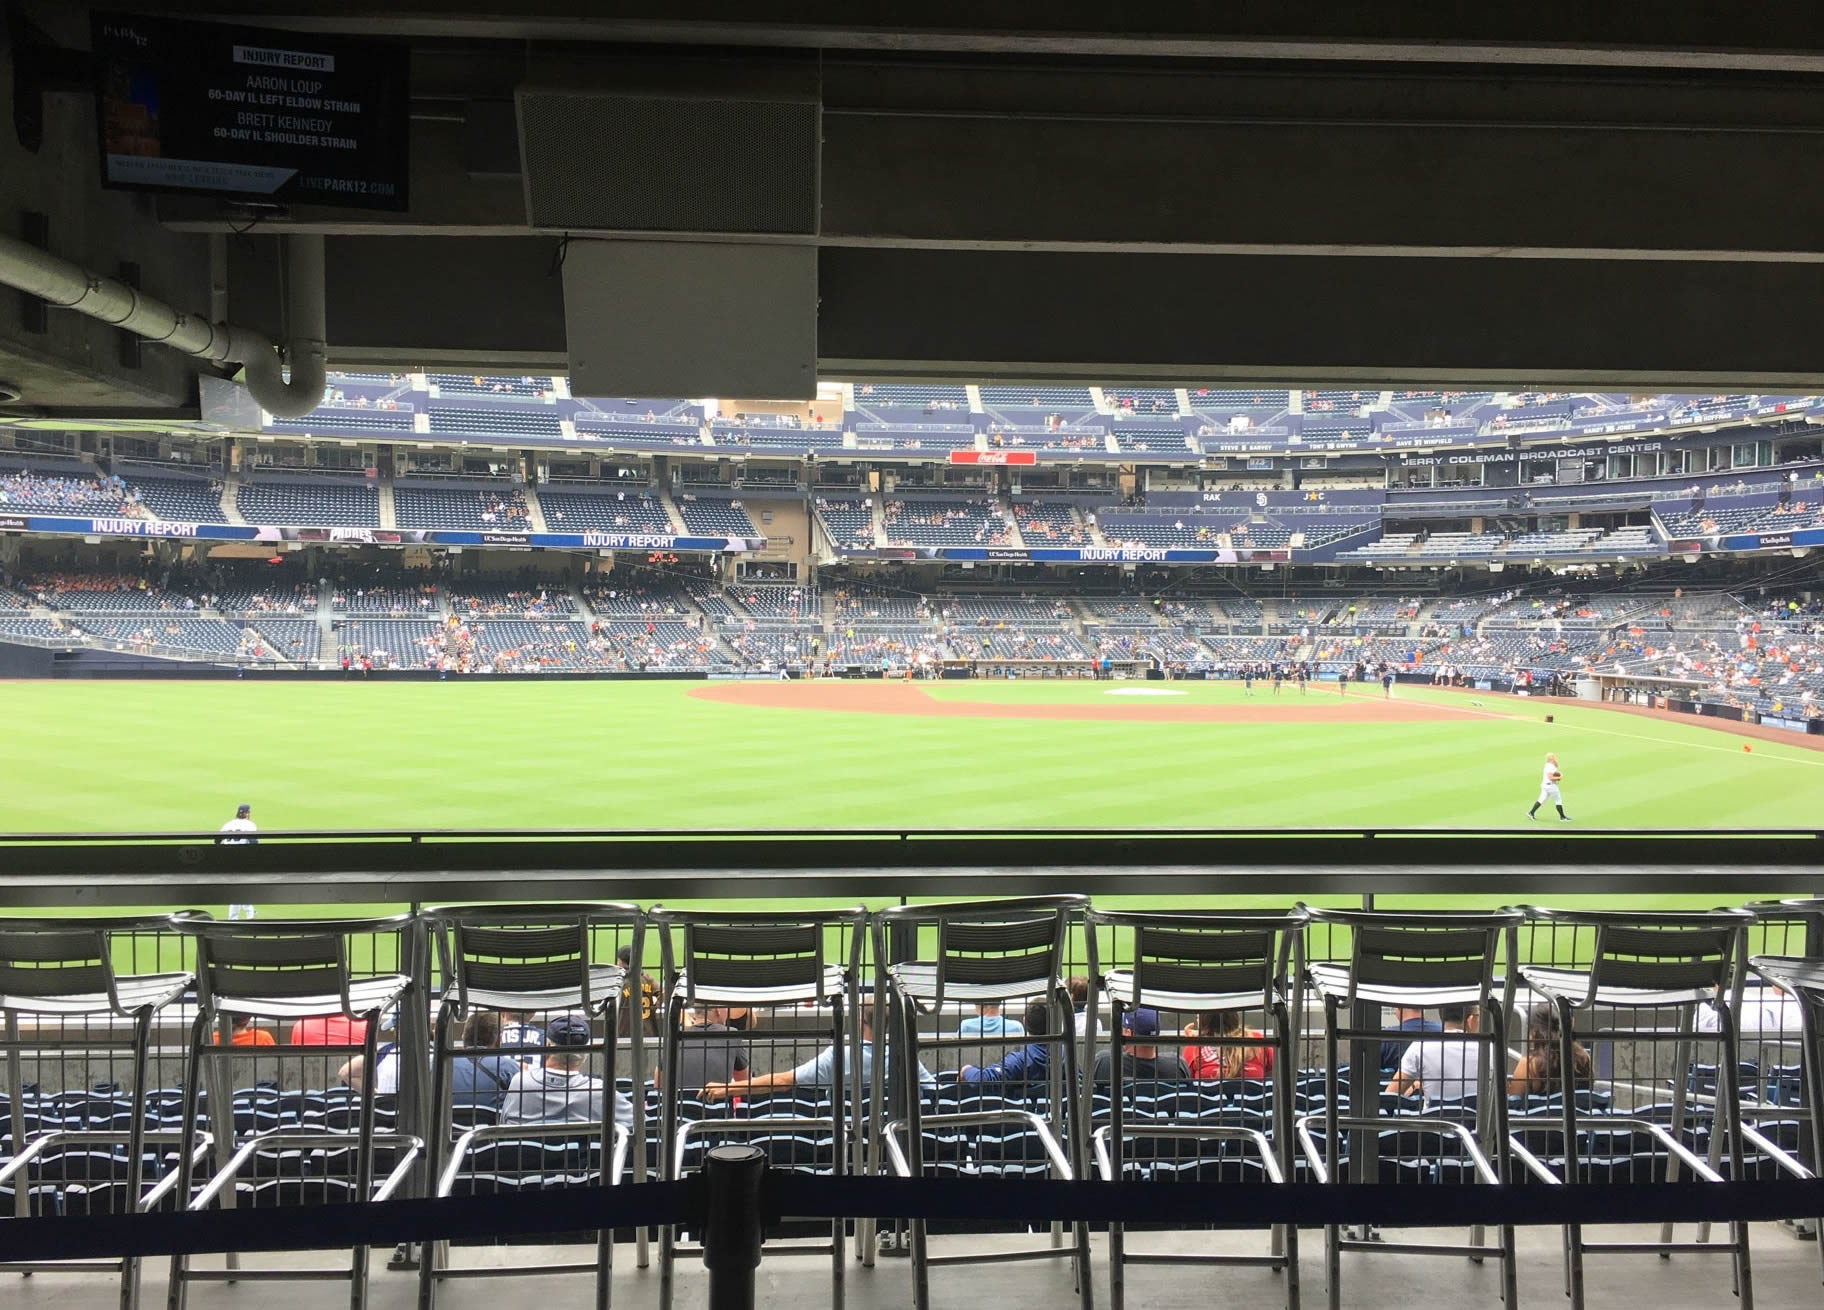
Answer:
(982, 951)
(1775, 1095)
(291, 969)
(1645, 962)
(1418, 959)
(537, 958)
(761, 961)
(1202, 963)
(53, 970)
(1802, 978)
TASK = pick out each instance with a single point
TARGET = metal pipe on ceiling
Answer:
(70, 286)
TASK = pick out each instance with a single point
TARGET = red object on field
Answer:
(1747, 747)
(994, 457)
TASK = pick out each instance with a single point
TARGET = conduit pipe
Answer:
(70, 286)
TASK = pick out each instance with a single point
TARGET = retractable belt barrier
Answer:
(783, 1193)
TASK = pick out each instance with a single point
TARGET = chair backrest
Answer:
(1024, 951)
(1799, 976)
(1669, 951)
(1239, 955)
(241, 963)
(1788, 927)
(45, 958)
(1422, 949)
(1665, 957)
(1013, 946)
(753, 952)
(530, 948)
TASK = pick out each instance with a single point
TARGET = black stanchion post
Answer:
(733, 1224)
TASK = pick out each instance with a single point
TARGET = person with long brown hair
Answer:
(1540, 1069)
(1207, 1063)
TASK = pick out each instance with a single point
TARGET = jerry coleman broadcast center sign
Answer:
(251, 113)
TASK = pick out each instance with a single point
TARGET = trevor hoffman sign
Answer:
(249, 113)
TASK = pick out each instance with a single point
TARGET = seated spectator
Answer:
(559, 1089)
(1210, 1063)
(245, 1034)
(818, 1071)
(989, 1023)
(1540, 1069)
(1408, 1020)
(328, 1030)
(1023, 1064)
(714, 1053)
(1078, 987)
(1442, 1067)
(518, 1033)
(1141, 1061)
(473, 1079)
(649, 1000)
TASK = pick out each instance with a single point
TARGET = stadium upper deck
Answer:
(1093, 423)
(998, 476)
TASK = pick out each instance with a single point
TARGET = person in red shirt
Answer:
(1210, 1063)
(328, 1030)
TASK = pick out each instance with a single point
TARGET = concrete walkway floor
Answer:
(1786, 1273)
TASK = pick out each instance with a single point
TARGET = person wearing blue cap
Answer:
(560, 1089)
(240, 829)
(1140, 1061)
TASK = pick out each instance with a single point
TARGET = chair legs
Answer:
(1333, 1233)
(839, 1116)
(1727, 1121)
(905, 1024)
(437, 1146)
(176, 1288)
(1078, 1126)
(668, 1131)
(671, 1165)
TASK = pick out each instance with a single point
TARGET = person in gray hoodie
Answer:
(559, 1088)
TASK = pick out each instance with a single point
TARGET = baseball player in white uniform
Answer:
(239, 831)
(1548, 791)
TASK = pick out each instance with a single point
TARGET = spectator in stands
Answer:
(649, 999)
(1444, 1067)
(1078, 987)
(818, 1071)
(519, 1033)
(559, 1089)
(1022, 1064)
(245, 1034)
(714, 1052)
(1540, 1069)
(1209, 1063)
(473, 1079)
(989, 1023)
(1140, 1060)
(1411, 1021)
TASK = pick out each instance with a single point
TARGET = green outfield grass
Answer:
(465, 754)
(474, 754)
